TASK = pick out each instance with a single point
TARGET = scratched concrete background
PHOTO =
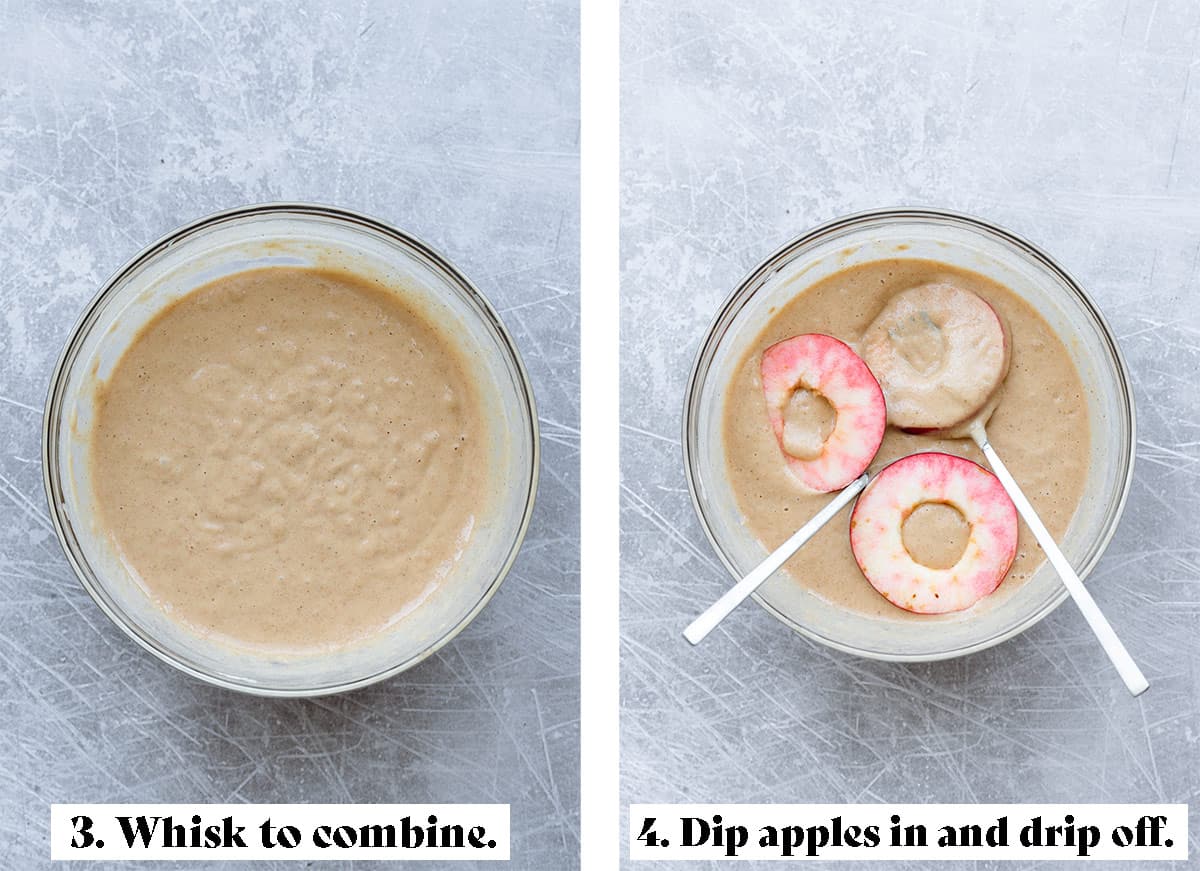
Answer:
(457, 121)
(1076, 124)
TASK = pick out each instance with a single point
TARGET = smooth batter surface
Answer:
(1039, 428)
(290, 458)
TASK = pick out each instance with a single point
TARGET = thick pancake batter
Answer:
(289, 458)
(1040, 428)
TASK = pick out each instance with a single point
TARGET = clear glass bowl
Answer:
(289, 234)
(962, 241)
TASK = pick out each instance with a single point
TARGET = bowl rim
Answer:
(744, 292)
(55, 394)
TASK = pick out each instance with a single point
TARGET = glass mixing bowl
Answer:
(962, 241)
(290, 235)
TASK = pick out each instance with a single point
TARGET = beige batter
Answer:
(1040, 428)
(289, 458)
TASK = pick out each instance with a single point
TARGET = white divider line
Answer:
(600, 455)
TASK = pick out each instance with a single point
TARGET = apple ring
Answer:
(940, 354)
(828, 367)
(876, 533)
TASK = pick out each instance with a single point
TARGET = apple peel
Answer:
(876, 536)
(828, 367)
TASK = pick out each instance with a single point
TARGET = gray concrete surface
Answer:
(456, 121)
(1077, 125)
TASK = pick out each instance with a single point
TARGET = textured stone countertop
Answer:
(457, 122)
(1077, 125)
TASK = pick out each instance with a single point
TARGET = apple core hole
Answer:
(808, 420)
(920, 342)
(935, 534)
